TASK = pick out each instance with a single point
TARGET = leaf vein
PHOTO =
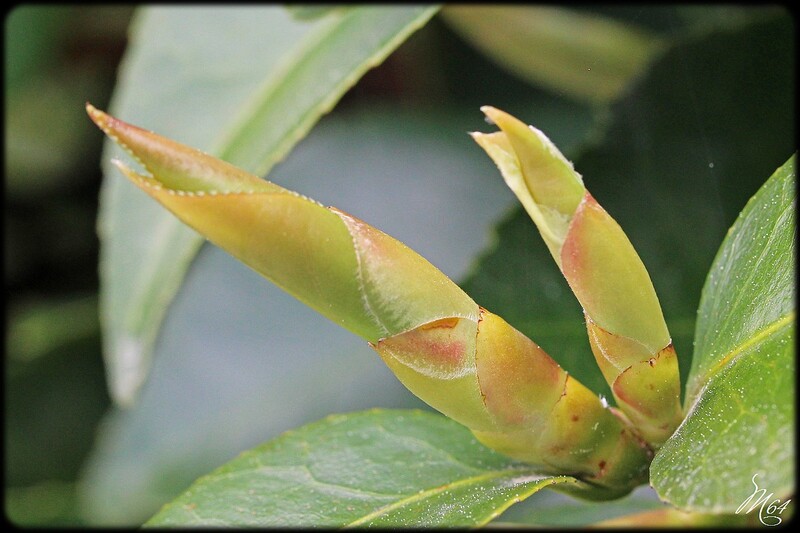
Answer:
(409, 500)
(431, 446)
(774, 327)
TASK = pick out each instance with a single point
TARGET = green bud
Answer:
(355, 275)
(627, 331)
(541, 177)
(461, 359)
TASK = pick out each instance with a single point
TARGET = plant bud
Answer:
(627, 331)
(461, 359)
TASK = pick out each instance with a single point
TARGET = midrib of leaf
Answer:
(773, 328)
(433, 492)
(294, 66)
(164, 238)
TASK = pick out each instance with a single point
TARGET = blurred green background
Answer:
(56, 58)
(73, 459)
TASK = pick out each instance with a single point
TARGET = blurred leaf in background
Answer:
(55, 58)
(582, 55)
(268, 86)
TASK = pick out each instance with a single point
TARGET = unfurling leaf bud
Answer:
(461, 359)
(627, 331)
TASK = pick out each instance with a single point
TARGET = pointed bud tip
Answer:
(110, 125)
(98, 117)
(500, 118)
(488, 111)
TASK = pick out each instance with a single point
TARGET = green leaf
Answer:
(741, 386)
(246, 99)
(381, 467)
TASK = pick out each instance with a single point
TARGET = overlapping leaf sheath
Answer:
(461, 359)
(627, 331)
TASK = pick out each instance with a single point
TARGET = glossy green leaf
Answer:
(375, 468)
(741, 387)
(268, 86)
